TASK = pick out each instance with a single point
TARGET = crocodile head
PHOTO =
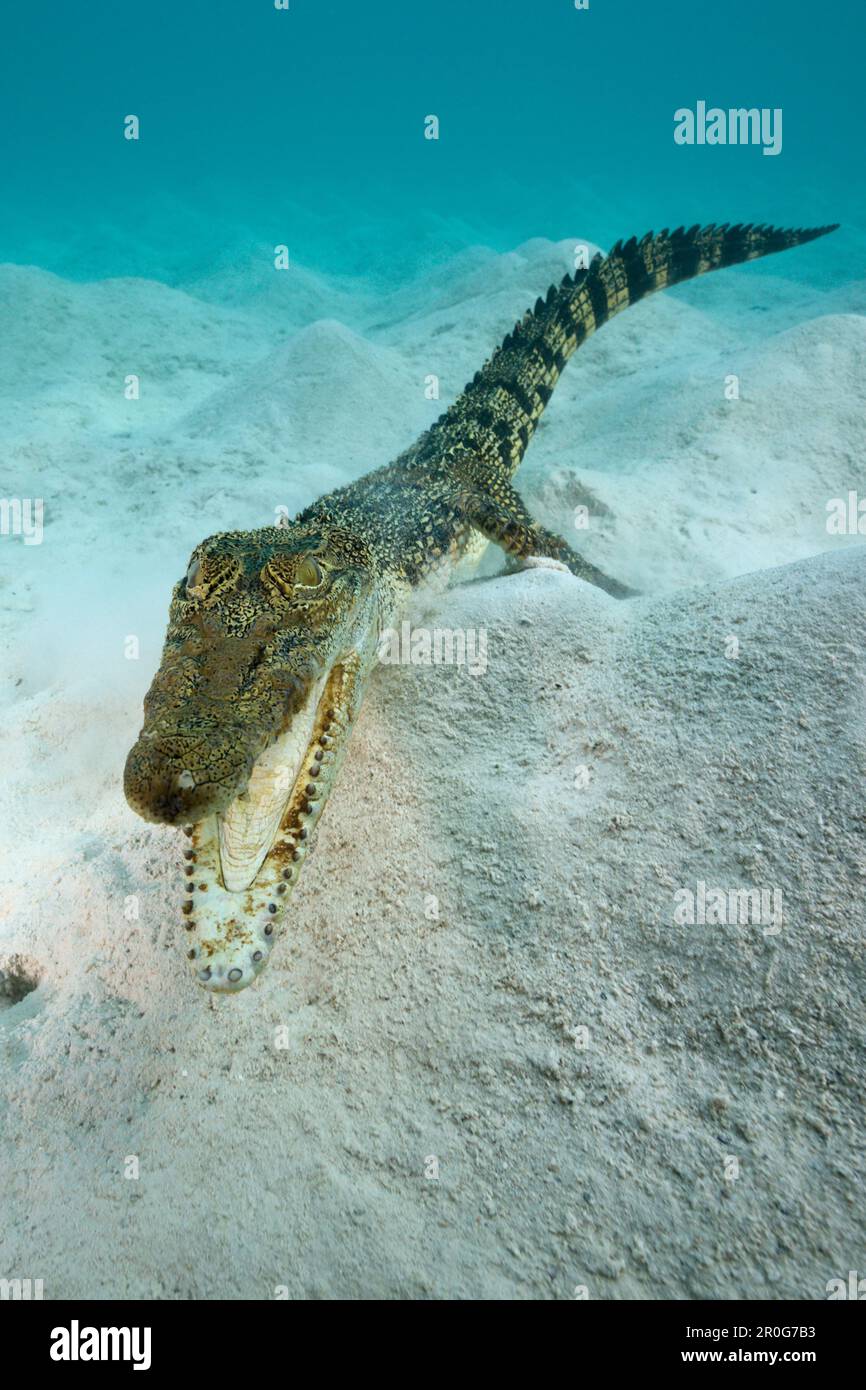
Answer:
(270, 636)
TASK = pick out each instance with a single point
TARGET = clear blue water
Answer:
(305, 126)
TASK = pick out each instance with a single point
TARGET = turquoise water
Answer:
(306, 127)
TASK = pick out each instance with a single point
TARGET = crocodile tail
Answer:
(494, 418)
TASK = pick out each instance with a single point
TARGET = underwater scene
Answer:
(432, 812)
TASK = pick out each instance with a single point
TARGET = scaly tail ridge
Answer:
(489, 426)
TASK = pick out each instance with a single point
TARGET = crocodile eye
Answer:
(292, 577)
(211, 576)
(309, 573)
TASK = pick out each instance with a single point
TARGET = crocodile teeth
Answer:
(248, 828)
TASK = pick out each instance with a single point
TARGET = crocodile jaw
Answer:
(248, 827)
(241, 864)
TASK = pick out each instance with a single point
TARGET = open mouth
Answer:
(241, 863)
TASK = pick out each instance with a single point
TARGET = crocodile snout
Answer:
(164, 786)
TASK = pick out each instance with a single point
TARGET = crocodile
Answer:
(273, 633)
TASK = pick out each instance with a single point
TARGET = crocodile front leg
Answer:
(506, 520)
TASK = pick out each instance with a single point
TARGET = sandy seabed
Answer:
(487, 1060)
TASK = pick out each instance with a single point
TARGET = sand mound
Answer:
(482, 978)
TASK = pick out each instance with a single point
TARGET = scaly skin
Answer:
(274, 632)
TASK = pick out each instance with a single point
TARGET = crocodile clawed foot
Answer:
(540, 562)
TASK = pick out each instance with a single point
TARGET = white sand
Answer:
(411, 1028)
